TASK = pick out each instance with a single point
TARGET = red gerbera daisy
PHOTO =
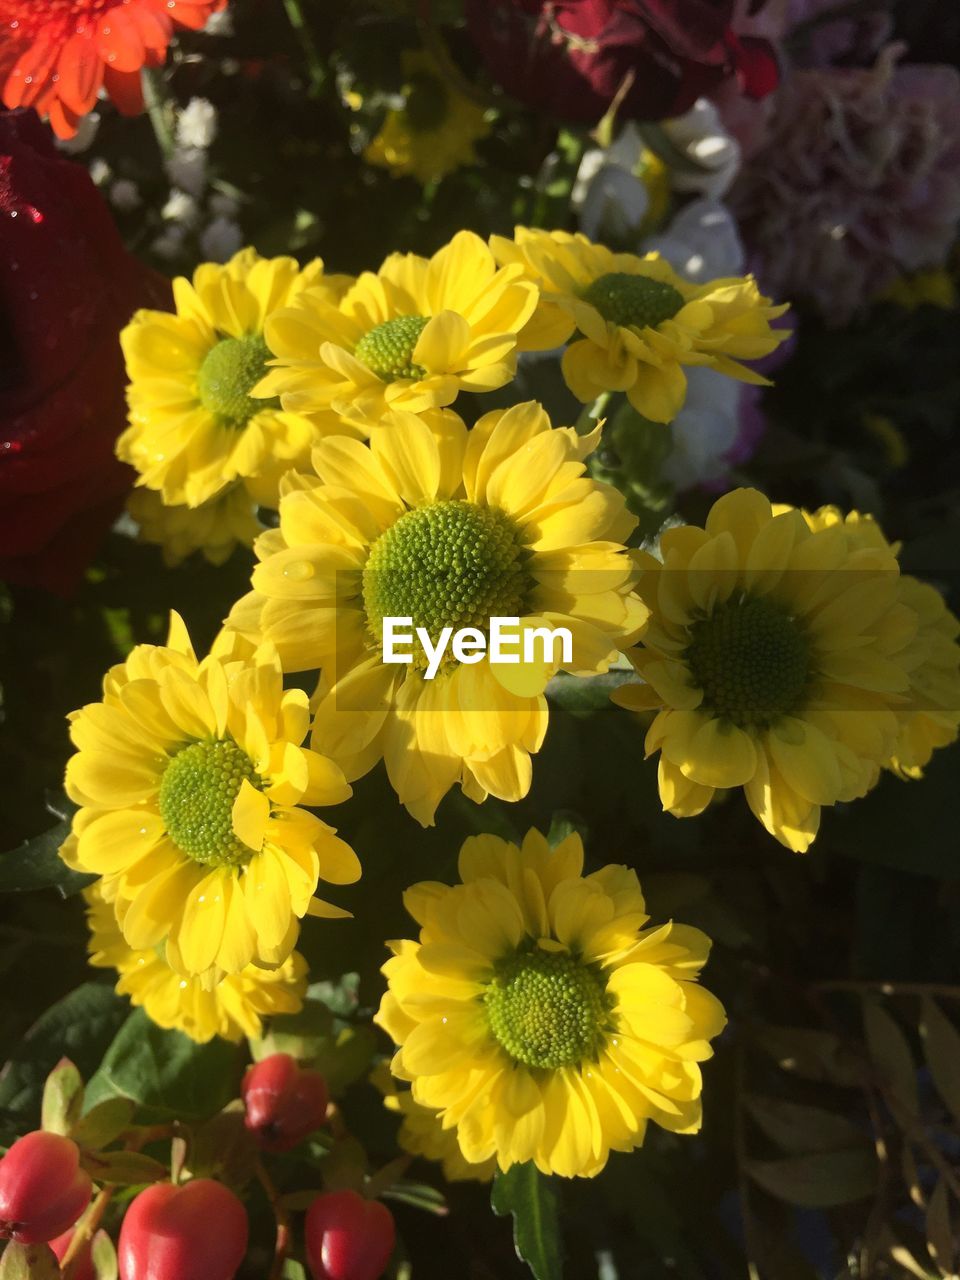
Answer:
(56, 54)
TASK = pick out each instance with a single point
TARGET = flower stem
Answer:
(591, 413)
(159, 109)
(315, 64)
(284, 1235)
(84, 1232)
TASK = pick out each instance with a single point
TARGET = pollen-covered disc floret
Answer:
(411, 336)
(234, 1008)
(548, 1009)
(539, 1016)
(197, 795)
(786, 654)
(192, 780)
(751, 660)
(228, 374)
(196, 428)
(451, 529)
(432, 129)
(448, 564)
(632, 323)
(388, 348)
(634, 300)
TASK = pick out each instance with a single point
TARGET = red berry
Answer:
(285, 1103)
(43, 1190)
(348, 1238)
(84, 1265)
(195, 1232)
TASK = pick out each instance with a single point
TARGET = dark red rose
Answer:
(67, 287)
(571, 57)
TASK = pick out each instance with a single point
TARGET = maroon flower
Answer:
(67, 287)
(572, 57)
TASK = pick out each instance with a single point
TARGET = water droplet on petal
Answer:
(299, 571)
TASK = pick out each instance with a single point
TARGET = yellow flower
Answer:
(194, 426)
(539, 1017)
(935, 288)
(783, 655)
(216, 527)
(422, 1134)
(189, 776)
(410, 337)
(233, 1009)
(450, 529)
(640, 323)
(434, 131)
(930, 716)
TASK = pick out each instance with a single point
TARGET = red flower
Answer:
(572, 57)
(67, 287)
(55, 55)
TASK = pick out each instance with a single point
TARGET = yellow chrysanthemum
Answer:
(194, 426)
(189, 776)
(410, 337)
(450, 529)
(785, 654)
(640, 323)
(234, 1008)
(434, 131)
(216, 527)
(930, 716)
(539, 1017)
(421, 1132)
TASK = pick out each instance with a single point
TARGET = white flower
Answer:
(702, 242)
(84, 137)
(219, 24)
(711, 156)
(100, 171)
(187, 169)
(613, 202)
(705, 430)
(223, 206)
(182, 208)
(169, 245)
(197, 124)
(125, 195)
(221, 239)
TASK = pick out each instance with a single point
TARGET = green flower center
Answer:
(633, 300)
(229, 373)
(387, 349)
(197, 792)
(548, 1009)
(449, 564)
(751, 659)
(426, 104)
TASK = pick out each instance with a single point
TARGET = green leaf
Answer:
(292, 1270)
(104, 1257)
(166, 1073)
(123, 1168)
(224, 1148)
(420, 1196)
(941, 1238)
(103, 1123)
(341, 997)
(37, 864)
(62, 1099)
(941, 1042)
(81, 1025)
(798, 1128)
(29, 1262)
(583, 696)
(534, 1203)
(891, 1054)
(814, 1055)
(821, 1180)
